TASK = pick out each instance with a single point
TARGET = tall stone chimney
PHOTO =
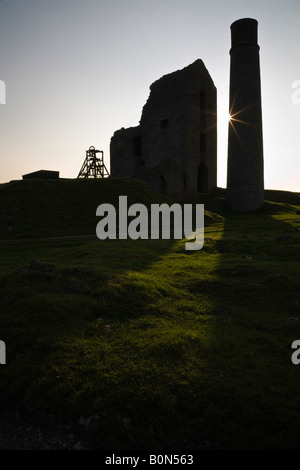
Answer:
(245, 173)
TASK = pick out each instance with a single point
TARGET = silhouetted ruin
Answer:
(245, 174)
(174, 148)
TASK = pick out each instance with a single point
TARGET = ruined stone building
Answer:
(174, 148)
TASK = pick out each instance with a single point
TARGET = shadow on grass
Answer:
(55, 293)
(255, 296)
(168, 349)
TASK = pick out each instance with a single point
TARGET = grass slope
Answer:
(165, 348)
(32, 208)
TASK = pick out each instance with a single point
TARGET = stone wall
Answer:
(175, 146)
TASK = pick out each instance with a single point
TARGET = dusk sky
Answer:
(77, 70)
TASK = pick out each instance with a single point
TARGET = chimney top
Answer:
(244, 32)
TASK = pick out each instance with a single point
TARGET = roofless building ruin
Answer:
(174, 148)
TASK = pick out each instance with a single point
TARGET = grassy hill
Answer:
(40, 207)
(154, 346)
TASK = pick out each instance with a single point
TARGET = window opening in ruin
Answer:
(202, 178)
(137, 146)
(164, 123)
(163, 185)
(202, 143)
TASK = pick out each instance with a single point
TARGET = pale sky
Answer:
(77, 70)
